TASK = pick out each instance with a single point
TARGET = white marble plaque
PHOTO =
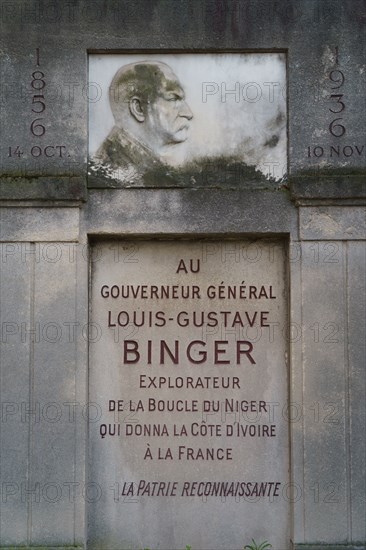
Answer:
(188, 371)
(182, 114)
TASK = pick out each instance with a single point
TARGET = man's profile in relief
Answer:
(151, 118)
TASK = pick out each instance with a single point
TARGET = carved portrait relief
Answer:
(186, 119)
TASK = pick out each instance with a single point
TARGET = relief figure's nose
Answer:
(185, 111)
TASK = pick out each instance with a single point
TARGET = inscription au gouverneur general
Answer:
(191, 374)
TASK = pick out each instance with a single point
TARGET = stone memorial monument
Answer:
(182, 283)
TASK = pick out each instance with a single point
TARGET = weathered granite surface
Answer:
(53, 219)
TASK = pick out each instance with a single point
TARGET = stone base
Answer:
(357, 546)
(67, 547)
(295, 547)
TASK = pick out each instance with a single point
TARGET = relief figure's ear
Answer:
(136, 109)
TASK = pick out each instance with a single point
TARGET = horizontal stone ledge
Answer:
(189, 211)
(66, 188)
(328, 186)
(221, 177)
